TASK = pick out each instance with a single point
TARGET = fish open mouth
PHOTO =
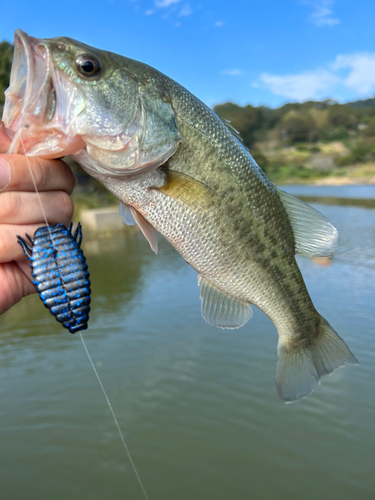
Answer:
(30, 100)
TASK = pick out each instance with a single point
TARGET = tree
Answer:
(247, 120)
(6, 56)
(342, 116)
(298, 127)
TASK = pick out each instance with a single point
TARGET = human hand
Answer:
(20, 213)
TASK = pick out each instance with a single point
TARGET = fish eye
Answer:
(88, 65)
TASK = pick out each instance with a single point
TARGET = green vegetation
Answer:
(305, 142)
(6, 56)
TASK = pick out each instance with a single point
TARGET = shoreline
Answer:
(330, 181)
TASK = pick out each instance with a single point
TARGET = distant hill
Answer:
(365, 103)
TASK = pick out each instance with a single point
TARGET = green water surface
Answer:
(197, 405)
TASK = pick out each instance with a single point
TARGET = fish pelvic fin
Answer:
(298, 369)
(131, 217)
(126, 214)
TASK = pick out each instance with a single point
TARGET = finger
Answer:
(4, 139)
(15, 283)
(10, 249)
(49, 175)
(19, 207)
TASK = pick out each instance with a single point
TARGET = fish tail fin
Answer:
(299, 368)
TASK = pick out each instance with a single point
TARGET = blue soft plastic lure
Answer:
(60, 273)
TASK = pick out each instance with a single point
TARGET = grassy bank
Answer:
(355, 174)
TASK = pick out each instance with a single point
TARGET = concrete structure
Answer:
(100, 219)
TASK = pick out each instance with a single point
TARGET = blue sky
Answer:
(258, 51)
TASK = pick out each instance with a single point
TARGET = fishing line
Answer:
(85, 347)
(115, 419)
(39, 198)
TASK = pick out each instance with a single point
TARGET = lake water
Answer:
(197, 405)
(362, 191)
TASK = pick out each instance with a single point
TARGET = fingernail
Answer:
(4, 174)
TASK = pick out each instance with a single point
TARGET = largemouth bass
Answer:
(178, 169)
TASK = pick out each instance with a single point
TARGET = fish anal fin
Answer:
(314, 235)
(220, 309)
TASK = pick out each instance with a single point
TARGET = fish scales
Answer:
(249, 213)
(231, 260)
(179, 170)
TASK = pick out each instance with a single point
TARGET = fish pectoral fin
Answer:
(314, 235)
(126, 214)
(186, 190)
(220, 309)
(131, 216)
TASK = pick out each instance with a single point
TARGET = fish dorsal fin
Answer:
(314, 235)
(131, 216)
(234, 131)
(220, 309)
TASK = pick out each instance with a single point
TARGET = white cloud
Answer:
(169, 8)
(353, 72)
(185, 11)
(303, 86)
(361, 77)
(231, 72)
(165, 3)
(322, 14)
